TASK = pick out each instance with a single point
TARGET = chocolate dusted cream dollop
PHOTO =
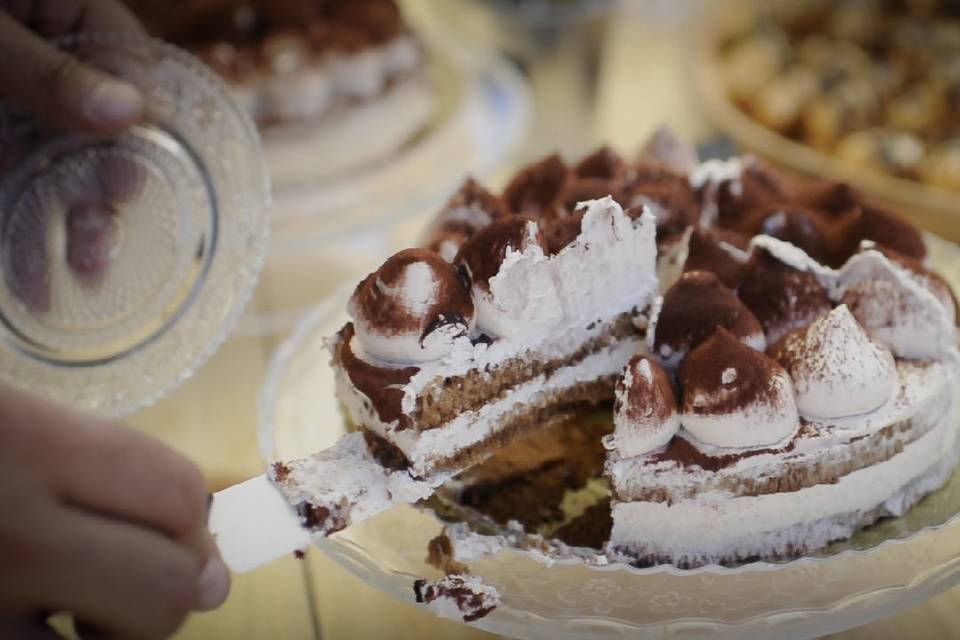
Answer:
(895, 306)
(837, 370)
(468, 210)
(719, 251)
(782, 296)
(667, 195)
(481, 259)
(539, 190)
(412, 309)
(645, 413)
(600, 174)
(930, 280)
(735, 396)
(692, 309)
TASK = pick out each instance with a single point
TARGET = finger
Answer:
(214, 583)
(125, 580)
(91, 237)
(55, 18)
(59, 88)
(103, 466)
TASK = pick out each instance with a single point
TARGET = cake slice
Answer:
(445, 363)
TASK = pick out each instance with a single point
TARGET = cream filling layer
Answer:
(425, 448)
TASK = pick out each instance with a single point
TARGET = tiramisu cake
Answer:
(783, 374)
(309, 71)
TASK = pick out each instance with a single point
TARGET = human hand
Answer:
(99, 521)
(53, 84)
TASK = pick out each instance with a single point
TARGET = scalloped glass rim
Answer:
(236, 262)
(888, 565)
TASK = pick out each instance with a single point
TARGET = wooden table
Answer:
(640, 84)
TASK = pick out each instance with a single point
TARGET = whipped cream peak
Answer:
(539, 189)
(708, 177)
(691, 310)
(533, 294)
(412, 309)
(645, 414)
(896, 306)
(921, 275)
(837, 370)
(794, 257)
(482, 256)
(784, 287)
(717, 171)
(735, 396)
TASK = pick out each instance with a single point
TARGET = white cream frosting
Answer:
(523, 296)
(795, 257)
(837, 369)
(895, 308)
(633, 434)
(772, 524)
(347, 479)
(923, 395)
(708, 176)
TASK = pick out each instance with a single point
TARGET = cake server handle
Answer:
(253, 525)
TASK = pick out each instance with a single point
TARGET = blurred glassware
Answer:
(483, 115)
(127, 260)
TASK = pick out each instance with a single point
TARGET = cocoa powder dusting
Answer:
(693, 308)
(481, 256)
(701, 377)
(537, 190)
(381, 384)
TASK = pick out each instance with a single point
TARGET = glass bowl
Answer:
(931, 207)
(127, 259)
(892, 565)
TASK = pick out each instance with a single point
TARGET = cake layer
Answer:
(381, 397)
(717, 528)
(820, 451)
(472, 435)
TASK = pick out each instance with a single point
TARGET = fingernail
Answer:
(214, 584)
(114, 104)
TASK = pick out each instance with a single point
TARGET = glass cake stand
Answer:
(881, 570)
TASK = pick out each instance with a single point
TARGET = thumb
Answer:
(59, 88)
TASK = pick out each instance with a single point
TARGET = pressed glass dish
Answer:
(879, 571)
(127, 259)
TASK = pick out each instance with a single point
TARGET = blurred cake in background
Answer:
(317, 76)
(876, 84)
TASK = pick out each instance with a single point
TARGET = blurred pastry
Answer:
(875, 83)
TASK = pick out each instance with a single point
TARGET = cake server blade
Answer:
(253, 525)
